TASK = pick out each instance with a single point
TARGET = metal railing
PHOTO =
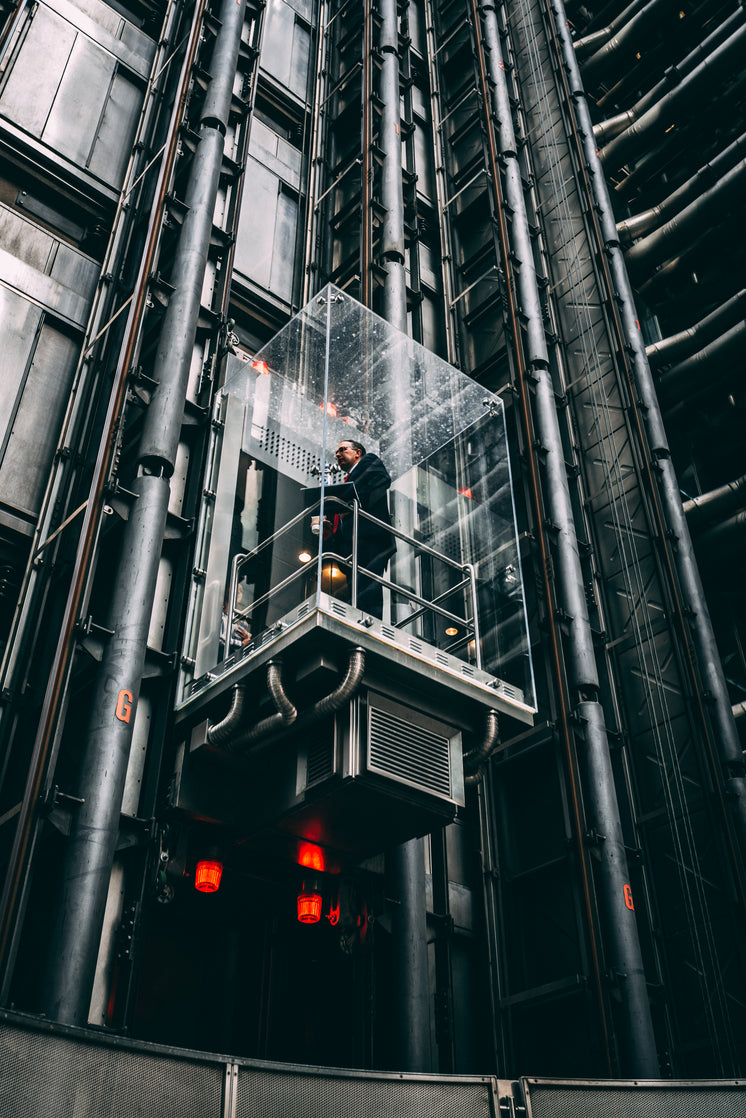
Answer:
(468, 621)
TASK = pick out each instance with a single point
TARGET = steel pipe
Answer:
(679, 230)
(95, 828)
(708, 506)
(583, 669)
(163, 420)
(90, 852)
(685, 342)
(711, 173)
(660, 116)
(730, 758)
(392, 192)
(693, 375)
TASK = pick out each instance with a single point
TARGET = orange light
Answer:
(261, 367)
(451, 631)
(310, 856)
(331, 409)
(207, 876)
(305, 556)
(466, 492)
(309, 907)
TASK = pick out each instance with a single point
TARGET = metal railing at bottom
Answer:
(55, 1071)
(341, 575)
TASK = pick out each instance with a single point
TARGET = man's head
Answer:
(348, 454)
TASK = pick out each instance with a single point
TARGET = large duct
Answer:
(591, 42)
(696, 373)
(663, 243)
(611, 55)
(708, 506)
(685, 342)
(637, 226)
(660, 116)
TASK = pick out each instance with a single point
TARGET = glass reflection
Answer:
(354, 465)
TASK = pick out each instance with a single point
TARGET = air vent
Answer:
(408, 749)
(467, 670)
(338, 608)
(319, 761)
(415, 646)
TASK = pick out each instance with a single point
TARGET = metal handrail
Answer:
(470, 623)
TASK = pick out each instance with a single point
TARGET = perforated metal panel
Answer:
(285, 1095)
(44, 1075)
(635, 1100)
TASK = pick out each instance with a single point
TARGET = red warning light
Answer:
(309, 907)
(261, 367)
(207, 876)
(467, 493)
(310, 857)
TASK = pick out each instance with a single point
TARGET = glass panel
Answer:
(413, 525)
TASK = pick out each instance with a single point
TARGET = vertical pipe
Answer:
(13, 898)
(730, 766)
(619, 927)
(405, 864)
(92, 845)
(392, 195)
(93, 838)
(405, 867)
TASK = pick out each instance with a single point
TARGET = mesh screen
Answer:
(597, 1101)
(43, 1075)
(270, 1094)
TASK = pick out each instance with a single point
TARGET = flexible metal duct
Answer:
(663, 114)
(475, 759)
(685, 342)
(286, 713)
(711, 172)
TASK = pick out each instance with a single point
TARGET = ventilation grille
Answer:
(298, 460)
(319, 761)
(409, 753)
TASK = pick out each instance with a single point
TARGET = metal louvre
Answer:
(45, 1075)
(405, 750)
(634, 1100)
(286, 1095)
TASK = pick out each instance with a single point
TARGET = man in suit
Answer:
(366, 481)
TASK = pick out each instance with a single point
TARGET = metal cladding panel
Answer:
(47, 1075)
(280, 1094)
(634, 1099)
(88, 84)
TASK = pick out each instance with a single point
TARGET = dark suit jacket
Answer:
(368, 484)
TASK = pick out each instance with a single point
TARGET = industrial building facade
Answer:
(546, 203)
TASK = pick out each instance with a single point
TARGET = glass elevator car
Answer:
(349, 650)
